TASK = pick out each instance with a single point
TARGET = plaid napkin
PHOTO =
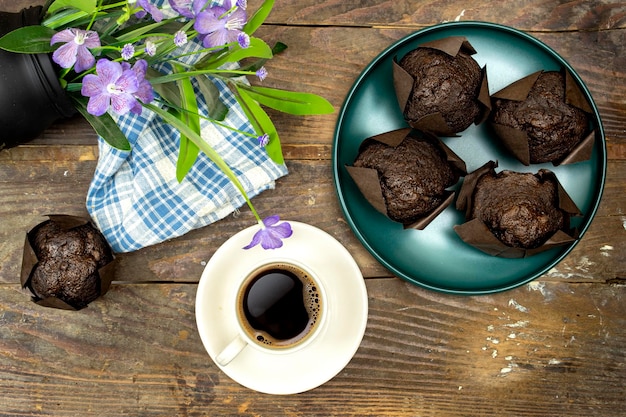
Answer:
(135, 198)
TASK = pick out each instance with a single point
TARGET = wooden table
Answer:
(554, 347)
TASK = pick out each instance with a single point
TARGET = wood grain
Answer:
(596, 56)
(529, 15)
(553, 347)
(539, 350)
(533, 15)
(307, 194)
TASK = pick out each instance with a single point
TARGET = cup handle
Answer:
(231, 351)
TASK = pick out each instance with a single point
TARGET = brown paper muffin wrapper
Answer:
(475, 233)
(368, 183)
(434, 122)
(30, 260)
(516, 140)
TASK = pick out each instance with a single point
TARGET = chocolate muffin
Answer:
(413, 175)
(444, 84)
(68, 262)
(520, 209)
(553, 126)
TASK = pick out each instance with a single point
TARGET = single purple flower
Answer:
(75, 52)
(150, 48)
(145, 92)
(271, 234)
(243, 39)
(261, 73)
(220, 25)
(128, 51)
(264, 139)
(157, 15)
(180, 38)
(111, 86)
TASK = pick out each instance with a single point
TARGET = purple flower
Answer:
(243, 39)
(264, 139)
(128, 51)
(144, 93)
(75, 52)
(157, 15)
(150, 48)
(220, 25)
(271, 234)
(111, 86)
(261, 73)
(180, 38)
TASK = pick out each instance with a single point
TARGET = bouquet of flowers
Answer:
(120, 57)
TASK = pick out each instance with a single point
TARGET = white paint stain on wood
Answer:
(606, 250)
(517, 324)
(580, 270)
(493, 340)
(517, 306)
(541, 288)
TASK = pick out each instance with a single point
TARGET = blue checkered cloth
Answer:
(135, 198)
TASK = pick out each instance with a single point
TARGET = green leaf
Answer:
(261, 123)
(259, 17)
(278, 48)
(64, 17)
(28, 40)
(104, 126)
(257, 49)
(168, 91)
(204, 147)
(87, 6)
(137, 31)
(188, 152)
(217, 110)
(291, 102)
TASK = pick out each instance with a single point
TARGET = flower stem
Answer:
(175, 77)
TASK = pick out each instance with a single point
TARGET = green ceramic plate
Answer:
(435, 257)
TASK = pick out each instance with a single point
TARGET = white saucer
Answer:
(317, 362)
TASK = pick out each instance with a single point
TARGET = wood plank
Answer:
(532, 15)
(551, 347)
(305, 66)
(17, 5)
(308, 50)
(545, 349)
(307, 194)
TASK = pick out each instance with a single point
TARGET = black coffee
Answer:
(281, 305)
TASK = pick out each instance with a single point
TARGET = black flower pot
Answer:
(31, 97)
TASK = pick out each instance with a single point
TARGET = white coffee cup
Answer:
(300, 366)
(280, 307)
